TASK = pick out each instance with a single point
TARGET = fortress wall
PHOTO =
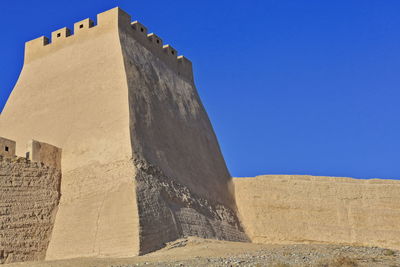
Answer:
(74, 85)
(183, 185)
(29, 195)
(72, 93)
(312, 209)
(141, 164)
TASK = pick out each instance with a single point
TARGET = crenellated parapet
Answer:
(37, 151)
(114, 19)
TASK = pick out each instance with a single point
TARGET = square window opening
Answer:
(81, 26)
(58, 35)
(6, 148)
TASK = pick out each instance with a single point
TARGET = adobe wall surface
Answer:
(183, 184)
(72, 93)
(29, 195)
(140, 162)
(7, 147)
(308, 209)
(45, 153)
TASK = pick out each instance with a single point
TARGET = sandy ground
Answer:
(201, 252)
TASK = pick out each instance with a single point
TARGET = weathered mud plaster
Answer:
(171, 132)
(29, 196)
(112, 96)
(313, 209)
(169, 210)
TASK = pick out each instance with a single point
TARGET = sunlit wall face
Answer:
(291, 87)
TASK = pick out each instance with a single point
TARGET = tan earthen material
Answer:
(29, 195)
(141, 164)
(45, 153)
(312, 209)
(7, 147)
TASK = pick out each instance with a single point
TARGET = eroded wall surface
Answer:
(29, 195)
(308, 209)
(141, 164)
(183, 185)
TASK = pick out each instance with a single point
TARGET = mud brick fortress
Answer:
(121, 158)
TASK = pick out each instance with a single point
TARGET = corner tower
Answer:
(141, 164)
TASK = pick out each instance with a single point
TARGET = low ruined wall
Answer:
(308, 209)
(29, 195)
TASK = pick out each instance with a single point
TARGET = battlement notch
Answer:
(60, 34)
(7, 147)
(82, 25)
(45, 153)
(156, 40)
(113, 17)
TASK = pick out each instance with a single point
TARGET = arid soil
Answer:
(200, 252)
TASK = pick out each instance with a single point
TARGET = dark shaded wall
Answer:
(183, 185)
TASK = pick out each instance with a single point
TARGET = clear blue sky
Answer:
(291, 86)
